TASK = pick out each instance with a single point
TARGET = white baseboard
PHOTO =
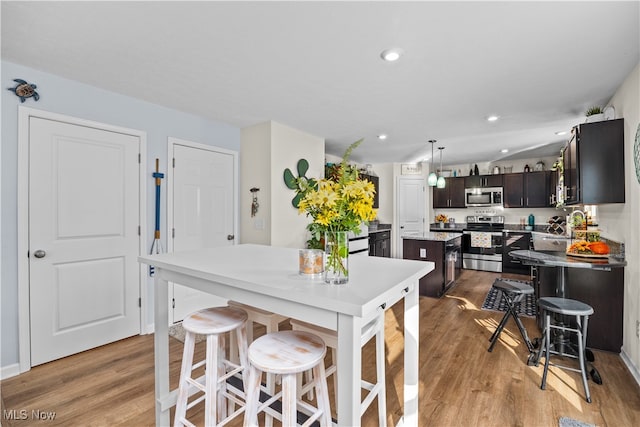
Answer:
(9, 371)
(632, 368)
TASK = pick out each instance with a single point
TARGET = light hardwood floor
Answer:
(461, 384)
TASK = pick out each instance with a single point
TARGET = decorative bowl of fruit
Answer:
(586, 249)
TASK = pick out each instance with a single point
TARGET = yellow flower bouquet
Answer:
(338, 205)
(441, 218)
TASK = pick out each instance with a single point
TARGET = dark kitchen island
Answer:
(444, 250)
(597, 282)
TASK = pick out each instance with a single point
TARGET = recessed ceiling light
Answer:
(391, 55)
(504, 150)
(382, 136)
(492, 118)
(561, 132)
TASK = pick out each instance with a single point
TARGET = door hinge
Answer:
(139, 231)
(173, 303)
(139, 302)
(173, 233)
(139, 158)
(174, 162)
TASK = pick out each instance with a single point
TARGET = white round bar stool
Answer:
(374, 328)
(214, 323)
(271, 322)
(288, 353)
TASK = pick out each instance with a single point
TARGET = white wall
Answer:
(486, 168)
(621, 221)
(267, 150)
(386, 191)
(255, 165)
(79, 100)
(288, 227)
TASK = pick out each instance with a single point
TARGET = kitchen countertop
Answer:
(561, 259)
(379, 228)
(457, 227)
(521, 228)
(435, 236)
(460, 227)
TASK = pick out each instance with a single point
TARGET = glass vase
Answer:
(336, 257)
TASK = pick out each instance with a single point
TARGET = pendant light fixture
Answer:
(432, 180)
(440, 183)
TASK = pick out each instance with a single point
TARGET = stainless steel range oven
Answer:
(482, 243)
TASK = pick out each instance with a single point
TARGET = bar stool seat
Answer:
(565, 307)
(514, 292)
(271, 322)
(287, 353)
(214, 323)
(375, 328)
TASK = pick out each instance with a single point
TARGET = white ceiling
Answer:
(316, 66)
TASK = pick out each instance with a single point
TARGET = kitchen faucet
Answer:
(572, 216)
(571, 220)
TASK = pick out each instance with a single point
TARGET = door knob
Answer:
(39, 253)
(230, 237)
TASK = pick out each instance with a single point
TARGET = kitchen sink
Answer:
(549, 242)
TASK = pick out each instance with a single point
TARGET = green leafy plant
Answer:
(593, 110)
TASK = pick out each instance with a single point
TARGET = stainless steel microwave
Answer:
(488, 196)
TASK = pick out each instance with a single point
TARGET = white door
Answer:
(203, 212)
(83, 238)
(411, 208)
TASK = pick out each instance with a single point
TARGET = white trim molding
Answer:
(9, 371)
(633, 369)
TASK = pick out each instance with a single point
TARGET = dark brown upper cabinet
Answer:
(527, 190)
(376, 183)
(593, 162)
(474, 181)
(452, 195)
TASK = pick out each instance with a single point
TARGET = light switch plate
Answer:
(423, 253)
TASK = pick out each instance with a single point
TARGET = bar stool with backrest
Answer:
(375, 328)
(288, 353)
(581, 313)
(214, 323)
(514, 292)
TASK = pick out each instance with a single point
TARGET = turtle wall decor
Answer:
(24, 90)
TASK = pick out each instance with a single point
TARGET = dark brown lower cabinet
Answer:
(447, 259)
(380, 243)
(602, 290)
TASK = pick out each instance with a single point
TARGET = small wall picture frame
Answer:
(411, 169)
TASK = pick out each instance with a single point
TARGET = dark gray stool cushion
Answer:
(513, 292)
(513, 286)
(565, 306)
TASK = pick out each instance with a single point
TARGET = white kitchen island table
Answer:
(267, 277)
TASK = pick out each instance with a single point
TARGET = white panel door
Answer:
(411, 208)
(83, 238)
(203, 213)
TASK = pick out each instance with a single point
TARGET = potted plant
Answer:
(594, 114)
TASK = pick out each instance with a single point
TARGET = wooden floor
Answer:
(461, 384)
